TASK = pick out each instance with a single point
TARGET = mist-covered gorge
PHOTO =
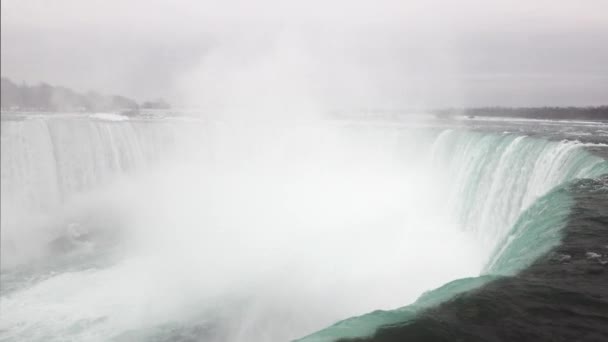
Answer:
(233, 231)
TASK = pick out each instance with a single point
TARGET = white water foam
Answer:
(254, 233)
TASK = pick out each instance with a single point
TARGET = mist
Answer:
(256, 216)
(341, 54)
(254, 230)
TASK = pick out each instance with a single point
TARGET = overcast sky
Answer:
(337, 53)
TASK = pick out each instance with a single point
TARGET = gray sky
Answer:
(315, 53)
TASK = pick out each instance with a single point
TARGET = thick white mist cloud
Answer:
(293, 73)
(264, 231)
(266, 222)
(413, 54)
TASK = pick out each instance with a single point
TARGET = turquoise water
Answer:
(82, 189)
(511, 192)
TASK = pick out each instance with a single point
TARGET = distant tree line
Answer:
(48, 98)
(582, 113)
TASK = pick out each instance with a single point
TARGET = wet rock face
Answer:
(563, 296)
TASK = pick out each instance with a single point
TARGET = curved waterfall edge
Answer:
(535, 235)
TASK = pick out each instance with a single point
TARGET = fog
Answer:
(387, 54)
(259, 220)
(240, 231)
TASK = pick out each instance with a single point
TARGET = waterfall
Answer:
(491, 179)
(46, 160)
(510, 192)
(212, 206)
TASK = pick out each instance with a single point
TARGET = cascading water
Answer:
(47, 161)
(235, 233)
(495, 177)
(509, 191)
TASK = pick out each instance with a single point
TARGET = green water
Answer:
(511, 192)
